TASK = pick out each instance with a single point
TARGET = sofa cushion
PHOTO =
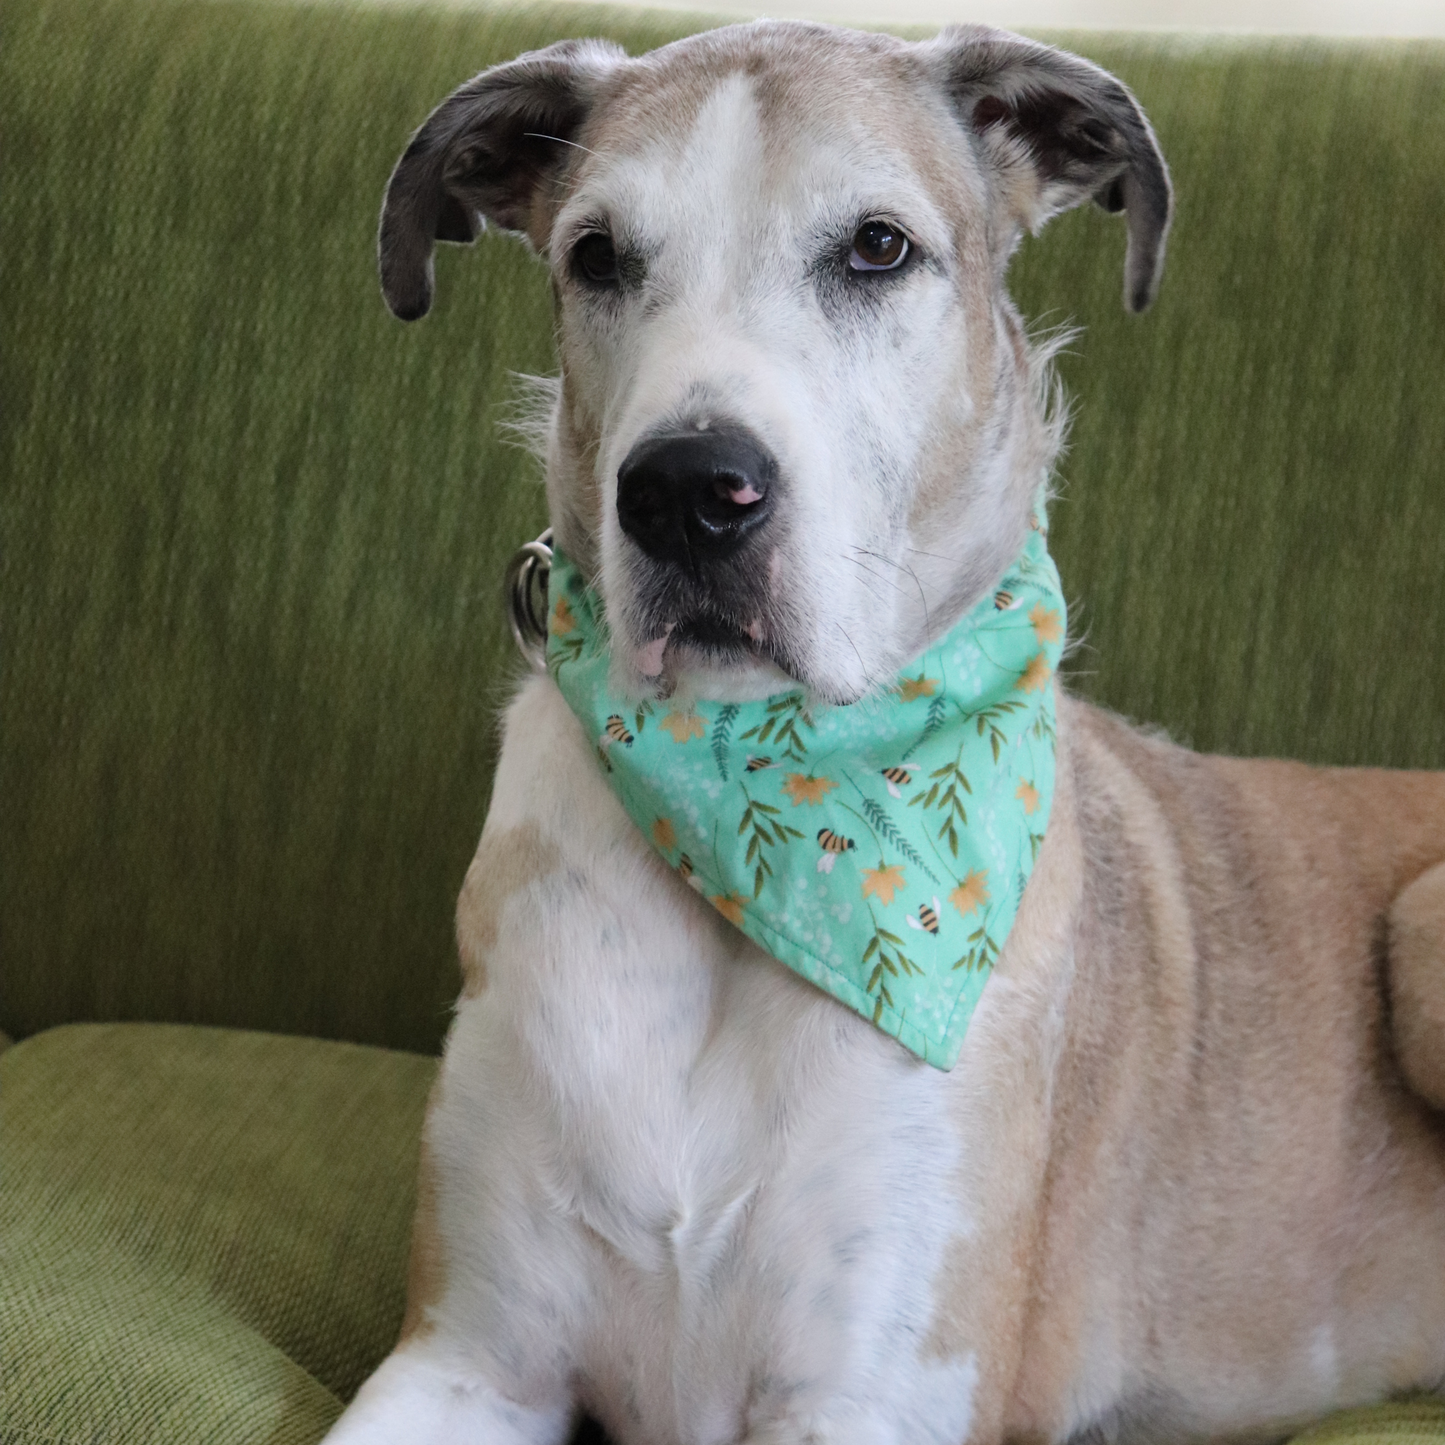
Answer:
(203, 1232)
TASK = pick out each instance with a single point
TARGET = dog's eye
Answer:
(595, 259)
(878, 246)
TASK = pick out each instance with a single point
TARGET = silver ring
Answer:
(526, 592)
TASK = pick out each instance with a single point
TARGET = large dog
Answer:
(1187, 1178)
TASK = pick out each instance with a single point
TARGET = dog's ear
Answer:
(1054, 131)
(486, 153)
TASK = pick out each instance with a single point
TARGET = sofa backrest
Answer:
(254, 529)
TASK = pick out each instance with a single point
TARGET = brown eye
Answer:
(878, 246)
(595, 259)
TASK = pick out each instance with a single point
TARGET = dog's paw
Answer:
(416, 1398)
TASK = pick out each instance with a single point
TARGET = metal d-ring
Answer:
(526, 592)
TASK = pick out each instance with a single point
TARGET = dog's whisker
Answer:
(900, 567)
(865, 568)
(869, 677)
(576, 146)
(923, 602)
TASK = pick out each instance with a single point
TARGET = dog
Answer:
(1186, 1179)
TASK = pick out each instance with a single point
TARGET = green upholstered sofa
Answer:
(253, 648)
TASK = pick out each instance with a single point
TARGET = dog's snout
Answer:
(691, 496)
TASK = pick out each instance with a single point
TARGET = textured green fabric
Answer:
(1415, 1422)
(203, 1232)
(792, 819)
(253, 528)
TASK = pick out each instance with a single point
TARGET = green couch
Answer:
(253, 647)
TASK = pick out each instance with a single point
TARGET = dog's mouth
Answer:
(718, 637)
(708, 641)
(706, 637)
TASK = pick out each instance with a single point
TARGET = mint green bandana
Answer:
(879, 850)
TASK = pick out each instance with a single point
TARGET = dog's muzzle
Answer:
(689, 498)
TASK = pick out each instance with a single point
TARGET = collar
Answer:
(879, 850)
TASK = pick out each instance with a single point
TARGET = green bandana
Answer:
(879, 850)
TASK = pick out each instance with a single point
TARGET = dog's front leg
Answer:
(484, 1351)
(495, 1283)
(540, 1064)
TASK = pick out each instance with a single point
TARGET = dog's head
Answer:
(798, 429)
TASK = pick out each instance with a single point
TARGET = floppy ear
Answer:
(485, 154)
(1055, 131)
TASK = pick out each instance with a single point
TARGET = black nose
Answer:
(690, 497)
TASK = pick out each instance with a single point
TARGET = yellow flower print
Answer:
(684, 725)
(663, 833)
(562, 621)
(806, 789)
(972, 893)
(730, 905)
(1035, 676)
(1048, 625)
(883, 883)
(920, 686)
(1028, 795)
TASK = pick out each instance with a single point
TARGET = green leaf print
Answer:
(564, 650)
(785, 716)
(768, 831)
(982, 951)
(887, 948)
(934, 721)
(722, 732)
(888, 830)
(945, 791)
(988, 722)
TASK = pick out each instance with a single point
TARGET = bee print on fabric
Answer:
(756, 765)
(615, 732)
(832, 844)
(927, 920)
(899, 777)
(1003, 599)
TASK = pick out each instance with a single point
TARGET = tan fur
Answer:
(506, 865)
(987, 1279)
(425, 1270)
(1226, 1108)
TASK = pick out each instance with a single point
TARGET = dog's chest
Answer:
(759, 1186)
